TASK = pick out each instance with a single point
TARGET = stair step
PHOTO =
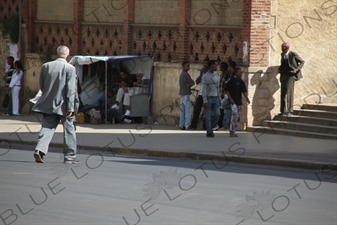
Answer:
(307, 119)
(300, 127)
(259, 130)
(316, 113)
(324, 107)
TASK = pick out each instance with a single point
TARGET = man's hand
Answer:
(69, 114)
(205, 105)
(294, 71)
(231, 101)
(248, 101)
(198, 80)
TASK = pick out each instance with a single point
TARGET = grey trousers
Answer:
(287, 93)
(49, 125)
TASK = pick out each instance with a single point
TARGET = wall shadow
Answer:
(263, 101)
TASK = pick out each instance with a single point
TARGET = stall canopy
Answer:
(133, 64)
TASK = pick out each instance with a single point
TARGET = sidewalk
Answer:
(168, 141)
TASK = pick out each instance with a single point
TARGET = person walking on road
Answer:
(185, 84)
(59, 101)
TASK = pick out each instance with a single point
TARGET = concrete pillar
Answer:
(129, 18)
(77, 27)
(184, 22)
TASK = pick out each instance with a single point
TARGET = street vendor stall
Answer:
(98, 71)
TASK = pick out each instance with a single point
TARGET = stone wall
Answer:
(103, 11)
(157, 12)
(60, 10)
(311, 30)
(216, 12)
(165, 101)
(32, 68)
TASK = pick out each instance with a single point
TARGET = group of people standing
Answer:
(14, 74)
(220, 97)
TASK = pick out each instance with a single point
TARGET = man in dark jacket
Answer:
(290, 70)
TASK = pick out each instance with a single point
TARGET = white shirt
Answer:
(16, 78)
(200, 84)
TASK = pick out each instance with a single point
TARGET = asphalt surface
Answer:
(120, 190)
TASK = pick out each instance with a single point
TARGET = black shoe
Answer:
(281, 114)
(210, 135)
(191, 128)
(39, 157)
(5, 114)
(71, 161)
(182, 128)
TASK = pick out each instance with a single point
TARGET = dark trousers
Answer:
(112, 113)
(221, 118)
(10, 104)
(196, 112)
(287, 93)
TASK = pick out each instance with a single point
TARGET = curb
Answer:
(196, 156)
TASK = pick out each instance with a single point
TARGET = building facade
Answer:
(249, 32)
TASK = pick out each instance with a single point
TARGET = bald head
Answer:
(62, 51)
(285, 47)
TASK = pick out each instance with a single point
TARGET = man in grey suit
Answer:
(290, 70)
(58, 102)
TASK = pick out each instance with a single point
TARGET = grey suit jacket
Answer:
(295, 62)
(59, 89)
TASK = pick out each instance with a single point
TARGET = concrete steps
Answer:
(325, 107)
(307, 119)
(260, 130)
(312, 121)
(300, 126)
(316, 113)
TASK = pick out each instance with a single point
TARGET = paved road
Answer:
(107, 189)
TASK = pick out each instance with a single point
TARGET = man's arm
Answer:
(188, 80)
(244, 91)
(71, 90)
(231, 101)
(204, 91)
(41, 81)
(299, 62)
(246, 97)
